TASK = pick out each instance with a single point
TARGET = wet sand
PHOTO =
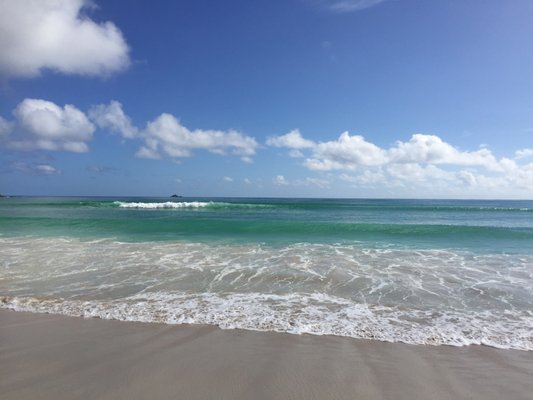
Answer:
(56, 357)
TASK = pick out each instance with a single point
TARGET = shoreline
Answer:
(60, 357)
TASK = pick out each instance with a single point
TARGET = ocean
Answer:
(432, 272)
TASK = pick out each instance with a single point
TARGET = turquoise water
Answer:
(495, 226)
(417, 271)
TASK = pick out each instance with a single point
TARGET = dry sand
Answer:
(56, 357)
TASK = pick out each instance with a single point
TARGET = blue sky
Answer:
(299, 98)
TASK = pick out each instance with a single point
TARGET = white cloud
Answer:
(347, 152)
(468, 177)
(425, 166)
(165, 136)
(5, 127)
(247, 181)
(523, 153)
(46, 169)
(412, 172)
(227, 179)
(522, 177)
(36, 169)
(111, 116)
(145, 152)
(292, 140)
(43, 125)
(351, 5)
(296, 154)
(351, 152)
(366, 178)
(280, 181)
(415, 180)
(321, 183)
(56, 35)
(431, 149)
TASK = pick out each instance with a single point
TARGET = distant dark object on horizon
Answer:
(175, 195)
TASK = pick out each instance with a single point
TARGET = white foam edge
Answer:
(316, 314)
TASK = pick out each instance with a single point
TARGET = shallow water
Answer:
(421, 272)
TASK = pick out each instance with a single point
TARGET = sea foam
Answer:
(167, 204)
(436, 297)
(299, 313)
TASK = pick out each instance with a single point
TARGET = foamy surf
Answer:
(430, 297)
(166, 204)
(300, 313)
(188, 205)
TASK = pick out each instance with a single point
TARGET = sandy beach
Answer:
(56, 357)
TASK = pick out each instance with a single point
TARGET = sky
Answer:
(270, 98)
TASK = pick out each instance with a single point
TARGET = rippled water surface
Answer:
(421, 272)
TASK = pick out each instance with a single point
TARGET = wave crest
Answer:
(167, 204)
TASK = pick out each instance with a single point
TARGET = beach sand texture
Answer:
(56, 357)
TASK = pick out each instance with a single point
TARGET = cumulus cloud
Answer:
(296, 154)
(424, 164)
(5, 127)
(56, 34)
(280, 180)
(469, 178)
(431, 149)
(523, 153)
(43, 125)
(167, 137)
(111, 116)
(521, 177)
(292, 140)
(350, 152)
(347, 152)
(412, 172)
(416, 180)
(366, 178)
(431, 181)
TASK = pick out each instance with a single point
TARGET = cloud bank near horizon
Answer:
(424, 163)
